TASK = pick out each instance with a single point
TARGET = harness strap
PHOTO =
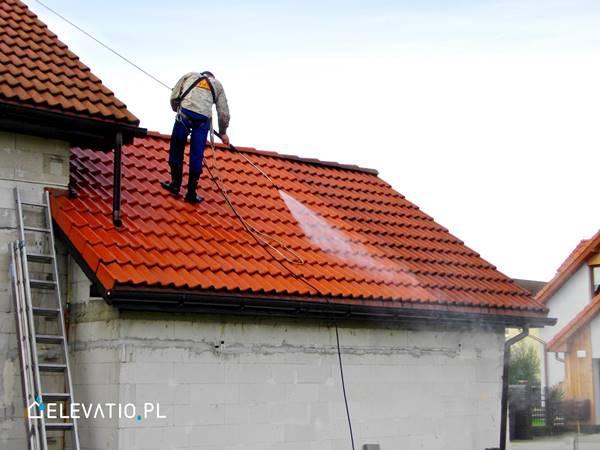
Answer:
(180, 114)
(193, 85)
(210, 86)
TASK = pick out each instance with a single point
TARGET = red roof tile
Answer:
(38, 71)
(559, 341)
(409, 260)
(577, 257)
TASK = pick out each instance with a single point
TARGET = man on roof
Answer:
(192, 99)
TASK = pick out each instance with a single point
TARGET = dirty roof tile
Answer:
(406, 259)
(38, 71)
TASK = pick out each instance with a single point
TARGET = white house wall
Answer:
(31, 163)
(564, 305)
(230, 383)
(595, 329)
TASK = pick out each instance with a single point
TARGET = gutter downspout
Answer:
(504, 403)
(117, 180)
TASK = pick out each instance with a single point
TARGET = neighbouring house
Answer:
(532, 286)
(573, 298)
(236, 340)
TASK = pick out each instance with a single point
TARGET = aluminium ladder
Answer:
(37, 301)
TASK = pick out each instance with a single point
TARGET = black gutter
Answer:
(505, 367)
(289, 306)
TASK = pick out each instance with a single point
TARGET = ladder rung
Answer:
(43, 284)
(48, 339)
(37, 229)
(56, 397)
(38, 257)
(39, 205)
(46, 367)
(37, 311)
(59, 425)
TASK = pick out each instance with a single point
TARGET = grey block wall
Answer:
(244, 383)
(30, 163)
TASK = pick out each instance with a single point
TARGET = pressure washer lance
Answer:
(251, 163)
(265, 240)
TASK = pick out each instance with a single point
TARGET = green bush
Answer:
(556, 393)
(524, 364)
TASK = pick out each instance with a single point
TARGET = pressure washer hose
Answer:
(263, 240)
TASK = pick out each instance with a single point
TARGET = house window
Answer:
(596, 278)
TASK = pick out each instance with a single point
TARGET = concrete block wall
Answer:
(30, 163)
(244, 383)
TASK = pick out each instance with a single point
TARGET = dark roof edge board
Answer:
(249, 305)
(77, 130)
(271, 154)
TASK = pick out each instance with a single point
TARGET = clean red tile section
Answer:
(559, 342)
(38, 71)
(578, 256)
(166, 244)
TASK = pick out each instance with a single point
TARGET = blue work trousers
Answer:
(196, 124)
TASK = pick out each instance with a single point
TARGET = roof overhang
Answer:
(143, 299)
(572, 265)
(77, 130)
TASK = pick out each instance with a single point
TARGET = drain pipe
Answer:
(117, 180)
(504, 403)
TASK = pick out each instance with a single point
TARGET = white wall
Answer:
(231, 383)
(595, 329)
(564, 305)
(30, 163)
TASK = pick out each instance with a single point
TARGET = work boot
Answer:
(191, 196)
(174, 185)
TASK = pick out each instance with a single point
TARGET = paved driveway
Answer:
(562, 442)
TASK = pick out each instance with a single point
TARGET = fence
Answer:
(534, 411)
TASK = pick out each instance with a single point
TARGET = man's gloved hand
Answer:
(224, 138)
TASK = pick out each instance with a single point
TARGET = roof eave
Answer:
(565, 273)
(77, 130)
(147, 299)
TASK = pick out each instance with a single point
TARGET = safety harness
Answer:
(180, 114)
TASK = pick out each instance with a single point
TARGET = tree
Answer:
(524, 364)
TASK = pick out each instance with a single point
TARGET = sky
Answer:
(483, 113)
